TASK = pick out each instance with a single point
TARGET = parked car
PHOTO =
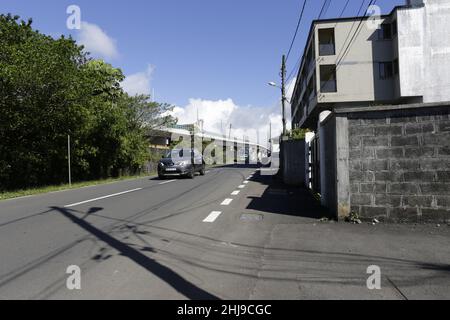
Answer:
(181, 162)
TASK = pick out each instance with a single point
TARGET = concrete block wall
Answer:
(399, 164)
(294, 162)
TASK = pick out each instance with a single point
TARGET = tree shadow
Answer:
(170, 277)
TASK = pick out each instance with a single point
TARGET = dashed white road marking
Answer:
(226, 202)
(101, 198)
(212, 216)
(235, 193)
(245, 182)
(242, 186)
(165, 182)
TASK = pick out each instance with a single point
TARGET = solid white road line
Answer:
(235, 193)
(101, 198)
(242, 186)
(165, 182)
(212, 216)
(226, 202)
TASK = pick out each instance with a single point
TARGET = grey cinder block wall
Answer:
(294, 162)
(392, 163)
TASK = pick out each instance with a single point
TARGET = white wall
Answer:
(424, 50)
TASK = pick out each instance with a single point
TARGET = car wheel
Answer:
(191, 174)
(202, 172)
(161, 177)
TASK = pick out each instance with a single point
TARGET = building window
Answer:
(326, 42)
(396, 67)
(328, 78)
(386, 70)
(394, 28)
(385, 31)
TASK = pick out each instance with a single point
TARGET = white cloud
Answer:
(138, 83)
(253, 122)
(96, 41)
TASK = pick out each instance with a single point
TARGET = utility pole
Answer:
(283, 91)
(68, 158)
(270, 136)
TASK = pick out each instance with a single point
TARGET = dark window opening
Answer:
(386, 70)
(394, 28)
(328, 78)
(385, 31)
(396, 67)
(326, 42)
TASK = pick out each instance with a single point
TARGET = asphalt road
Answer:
(230, 234)
(113, 232)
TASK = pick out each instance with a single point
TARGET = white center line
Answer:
(165, 182)
(212, 216)
(235, 193)
(101, 198)
(242, 186)
(226, 202)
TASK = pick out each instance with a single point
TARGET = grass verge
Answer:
(4, 195)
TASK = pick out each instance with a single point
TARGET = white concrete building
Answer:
(402, 57)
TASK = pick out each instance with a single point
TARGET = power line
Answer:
(372, 2)
(356, 33)
(343, 9)
(297, 65)
(323, 11)
(296, 29)
(351, 29)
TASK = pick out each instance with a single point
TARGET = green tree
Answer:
(51, 88)
(38, 77)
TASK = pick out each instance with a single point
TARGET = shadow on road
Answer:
(181, 285)
(281, 199)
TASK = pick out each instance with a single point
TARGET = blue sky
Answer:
(208, 50)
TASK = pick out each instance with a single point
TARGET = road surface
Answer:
(230, 234)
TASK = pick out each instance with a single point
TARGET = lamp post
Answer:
(283, 92)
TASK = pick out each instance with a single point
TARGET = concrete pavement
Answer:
(231, 234)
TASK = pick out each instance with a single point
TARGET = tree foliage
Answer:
(51, 88)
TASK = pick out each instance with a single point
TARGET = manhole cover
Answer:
(251, 217)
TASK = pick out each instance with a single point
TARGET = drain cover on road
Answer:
(251, 217)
